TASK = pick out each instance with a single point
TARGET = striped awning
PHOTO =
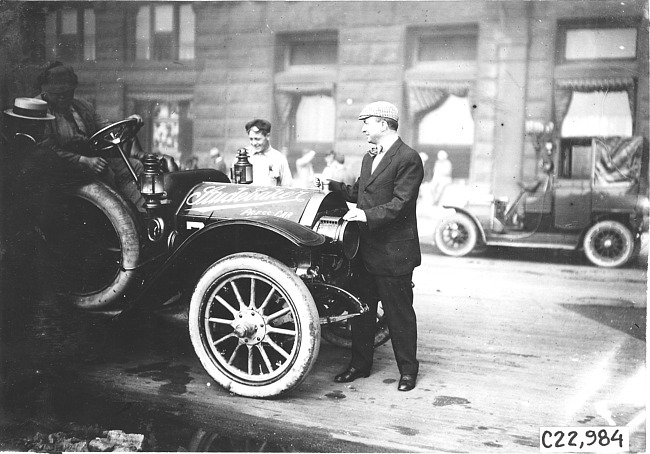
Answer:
(427, 95)
(305, 88)
(596, 84)
(160, 96)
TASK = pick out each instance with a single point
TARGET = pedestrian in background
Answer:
(305, 169)
(270, 167)
(217, 161)
(335, 168)
(386, 194)
(191, 163)
(442, 170)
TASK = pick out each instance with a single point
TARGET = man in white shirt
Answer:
(270, 167)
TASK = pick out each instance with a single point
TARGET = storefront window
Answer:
(598, 113)
(315, 117)
(450, 124)
(165, 129)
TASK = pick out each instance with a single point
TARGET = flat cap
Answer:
(381, 109)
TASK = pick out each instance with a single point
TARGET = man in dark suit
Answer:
(385, 193)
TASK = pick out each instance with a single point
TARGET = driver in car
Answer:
(75, 121)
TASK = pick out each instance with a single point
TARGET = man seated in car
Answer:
(75, 122)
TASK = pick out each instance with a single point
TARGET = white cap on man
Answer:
(380, 109)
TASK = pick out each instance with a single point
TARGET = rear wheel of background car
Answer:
(92, 246)
(456, 235)
(609, 244)
(340, 334)
(254, 325)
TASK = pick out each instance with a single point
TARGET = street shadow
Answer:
(629, 320)
(551, 256)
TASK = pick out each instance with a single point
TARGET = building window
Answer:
(449, 127)
(305, 79)
(314, 119)
(447, 48)
(443, 45)
(165, 130)
(449, 124)
(308, 50)
(597, 43)
(168, 122)
(165, 32)
(71, 34)
(598, 113)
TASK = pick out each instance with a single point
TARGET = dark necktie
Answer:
(374, 151)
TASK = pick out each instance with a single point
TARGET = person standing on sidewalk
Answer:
(386, 193)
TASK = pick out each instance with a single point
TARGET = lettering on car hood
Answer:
(223, 201)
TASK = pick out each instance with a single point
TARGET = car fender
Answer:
(298, 234)
(476, 221)
(203, 247)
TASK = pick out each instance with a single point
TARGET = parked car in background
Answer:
(591, 195)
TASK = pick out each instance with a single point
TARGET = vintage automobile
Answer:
(593, 195)
(254, 271)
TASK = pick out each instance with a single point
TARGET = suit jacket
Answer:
(390, 243)
(64, 138)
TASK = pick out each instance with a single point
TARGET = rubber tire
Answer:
(595, 251)
(458, 246)
(123, 220)
(304, 318)
(341, 334)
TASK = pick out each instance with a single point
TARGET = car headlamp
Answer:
(341, 233)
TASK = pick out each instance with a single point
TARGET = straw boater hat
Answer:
(29, 109)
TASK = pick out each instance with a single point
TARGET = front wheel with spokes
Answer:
(254, 325)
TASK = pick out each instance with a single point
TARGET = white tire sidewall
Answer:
(308, 323)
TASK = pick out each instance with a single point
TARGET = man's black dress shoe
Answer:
(406, 382)
(351, 374)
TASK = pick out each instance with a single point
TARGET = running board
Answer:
(567, 247)
(532, 240)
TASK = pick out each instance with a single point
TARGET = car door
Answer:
(573, 187)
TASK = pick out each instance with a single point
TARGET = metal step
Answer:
(534, 240)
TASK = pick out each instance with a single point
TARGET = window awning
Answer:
(428, 95)
(305, 88)
(287, 93)
(160, 96)
(564, 89)
(609, 83)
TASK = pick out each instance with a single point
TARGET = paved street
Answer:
(509, 341)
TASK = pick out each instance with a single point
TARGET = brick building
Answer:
(474, 78)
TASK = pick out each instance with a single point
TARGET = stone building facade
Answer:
(310, 67)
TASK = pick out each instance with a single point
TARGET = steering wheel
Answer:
(115, 135)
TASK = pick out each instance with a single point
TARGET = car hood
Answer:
(214, 201)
